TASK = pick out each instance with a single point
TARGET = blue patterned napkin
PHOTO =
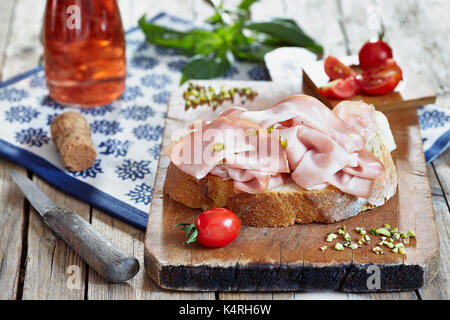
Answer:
(435, 130)
(127, 133)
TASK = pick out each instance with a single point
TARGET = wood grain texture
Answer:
(439, 287)
(288, 258)
(24, 49)
(12, 224)
(12, 213)
(6, 16)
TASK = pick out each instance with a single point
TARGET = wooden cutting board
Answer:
(289, 258)
(411, 92)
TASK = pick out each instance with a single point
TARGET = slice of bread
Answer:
(287, 204)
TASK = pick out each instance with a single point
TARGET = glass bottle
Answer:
(84, 52)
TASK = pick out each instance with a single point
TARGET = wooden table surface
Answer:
(34, 264)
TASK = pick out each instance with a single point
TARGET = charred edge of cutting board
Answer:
(348, 278)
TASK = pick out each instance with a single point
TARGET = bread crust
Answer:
(282, 206)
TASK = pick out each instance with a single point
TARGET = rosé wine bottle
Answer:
(84, 52)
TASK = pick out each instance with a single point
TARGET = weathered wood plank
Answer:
(6, 15)
(435, 187)
(12, 213)
(442, 166)
(439, 288)
(24, 49)
(12, 224)
(319, 19)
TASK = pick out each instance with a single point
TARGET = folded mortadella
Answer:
(298, 136)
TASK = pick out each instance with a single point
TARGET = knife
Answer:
(98, 252)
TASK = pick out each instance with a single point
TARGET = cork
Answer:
(71, 135)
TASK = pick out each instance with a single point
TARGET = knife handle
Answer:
(98, 252)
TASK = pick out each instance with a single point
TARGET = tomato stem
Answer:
(191, 232)
(381, 33)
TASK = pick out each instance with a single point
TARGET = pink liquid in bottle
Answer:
(84, 52)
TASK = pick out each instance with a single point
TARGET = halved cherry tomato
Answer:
(213, 228)
(336, 69)
(373, 53)
(340, 88)
(381, 79)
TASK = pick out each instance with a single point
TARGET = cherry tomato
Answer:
(340, 88)
(336, 69)
(381, 79)
(213, 228)
(373, 53)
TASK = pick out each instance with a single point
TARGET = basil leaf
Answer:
(167, 37)
(246, 4)
(205, 41)
(252, 52)
(214, 19)
(287, 31)
(204, 67)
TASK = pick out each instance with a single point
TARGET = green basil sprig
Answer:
(232, 35)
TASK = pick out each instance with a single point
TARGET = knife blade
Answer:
(98, 252)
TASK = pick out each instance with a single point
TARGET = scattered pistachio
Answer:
(378, 250)
(323, 248)
(347, 237)
(218, 147)
(269, 129)
(383, 231)
(387, 235)
(331, 236)
(195, 95)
